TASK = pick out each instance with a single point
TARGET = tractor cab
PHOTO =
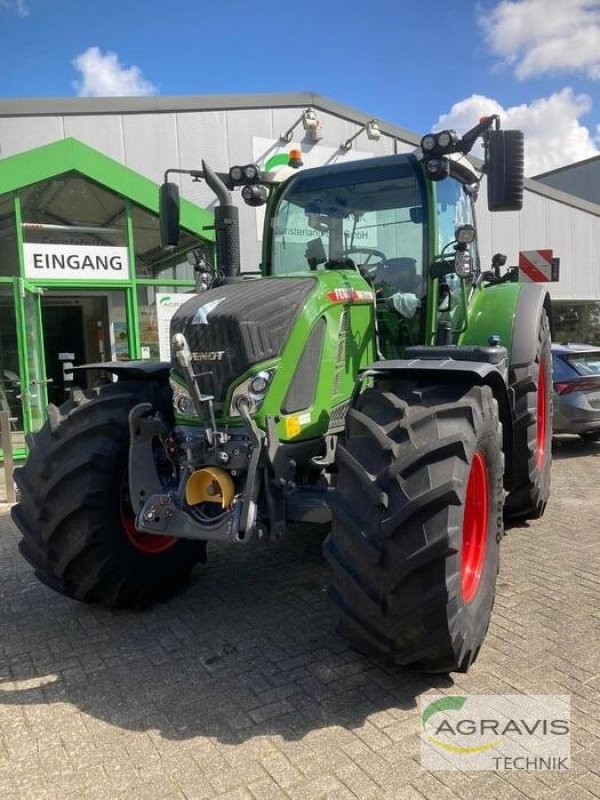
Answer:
(383, 219)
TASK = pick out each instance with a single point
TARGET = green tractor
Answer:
(375, 381)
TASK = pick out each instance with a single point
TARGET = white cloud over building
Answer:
(538, 37)
(102, 75)
(554, 135)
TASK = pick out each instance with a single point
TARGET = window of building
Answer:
(576, 321)
(156, 306)
(72, 210)
(151, 261)
(10, 381)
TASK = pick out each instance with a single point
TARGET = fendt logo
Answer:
(495, 732)
(208, 355)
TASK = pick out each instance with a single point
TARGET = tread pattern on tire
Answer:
(395, 542)
(69, 506)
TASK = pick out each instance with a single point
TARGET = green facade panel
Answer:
(19, 177)
(68, 155)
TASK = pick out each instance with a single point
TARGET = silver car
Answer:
(576, 379)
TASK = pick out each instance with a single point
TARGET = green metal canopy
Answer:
(68, 155)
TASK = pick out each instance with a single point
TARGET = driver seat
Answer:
(398, 275)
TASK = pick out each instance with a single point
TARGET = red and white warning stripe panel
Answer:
(538, 266)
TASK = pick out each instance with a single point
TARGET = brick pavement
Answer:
(239, 688)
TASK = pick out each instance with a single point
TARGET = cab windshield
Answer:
(369, 218)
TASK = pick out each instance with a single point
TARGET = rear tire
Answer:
(532, 430)
(74, 511)
(419, 494)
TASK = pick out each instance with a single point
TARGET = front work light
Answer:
(428, 143)
(440, 144)
(462, 263)
(243, 175)
(254, 195)
(465, 234)
(236, 174)
(250, 172)
(445, 139)
(437, 168)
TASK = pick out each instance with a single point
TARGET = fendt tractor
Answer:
(375, 380)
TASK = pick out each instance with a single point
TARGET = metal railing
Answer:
(9, 464)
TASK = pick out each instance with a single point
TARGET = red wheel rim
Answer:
(542, 414)
(475, 526)
(144, 542)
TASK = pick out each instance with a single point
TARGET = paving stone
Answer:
(281, 770)
(240, 689)
(323, 788)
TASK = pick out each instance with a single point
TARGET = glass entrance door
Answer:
(34, 387)
(10, 374)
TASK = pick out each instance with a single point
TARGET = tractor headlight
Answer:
(250, 172)
(440, 143)
(183, 402)
(254, 195)
(465, 234)
(447, 139)
(236, 174)
(437, 168)
(251, 392)
(428, 143)
(462, 263)
(259, 384)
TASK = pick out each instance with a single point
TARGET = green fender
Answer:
(511, 311)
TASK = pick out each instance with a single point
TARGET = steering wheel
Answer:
(371, 252)
(368, 251)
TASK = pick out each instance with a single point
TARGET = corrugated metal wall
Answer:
(572, 233)
(149, 143)
(582, 180)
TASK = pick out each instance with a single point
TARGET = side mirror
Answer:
(505, 158)
(169, 214)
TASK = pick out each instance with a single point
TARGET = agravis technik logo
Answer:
(495, 732)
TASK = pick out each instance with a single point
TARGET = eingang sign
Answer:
(75, 262)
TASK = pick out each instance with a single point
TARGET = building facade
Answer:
(82, 275)
(581, 179)
(83, 172)
(579, 318)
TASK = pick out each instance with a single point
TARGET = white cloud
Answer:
(20, 6)
(544, 36)
(553, 134)
(103, 76)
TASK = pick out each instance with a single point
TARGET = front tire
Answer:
(416, 529)
(74, 511)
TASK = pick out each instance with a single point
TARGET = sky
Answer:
(424, 66)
